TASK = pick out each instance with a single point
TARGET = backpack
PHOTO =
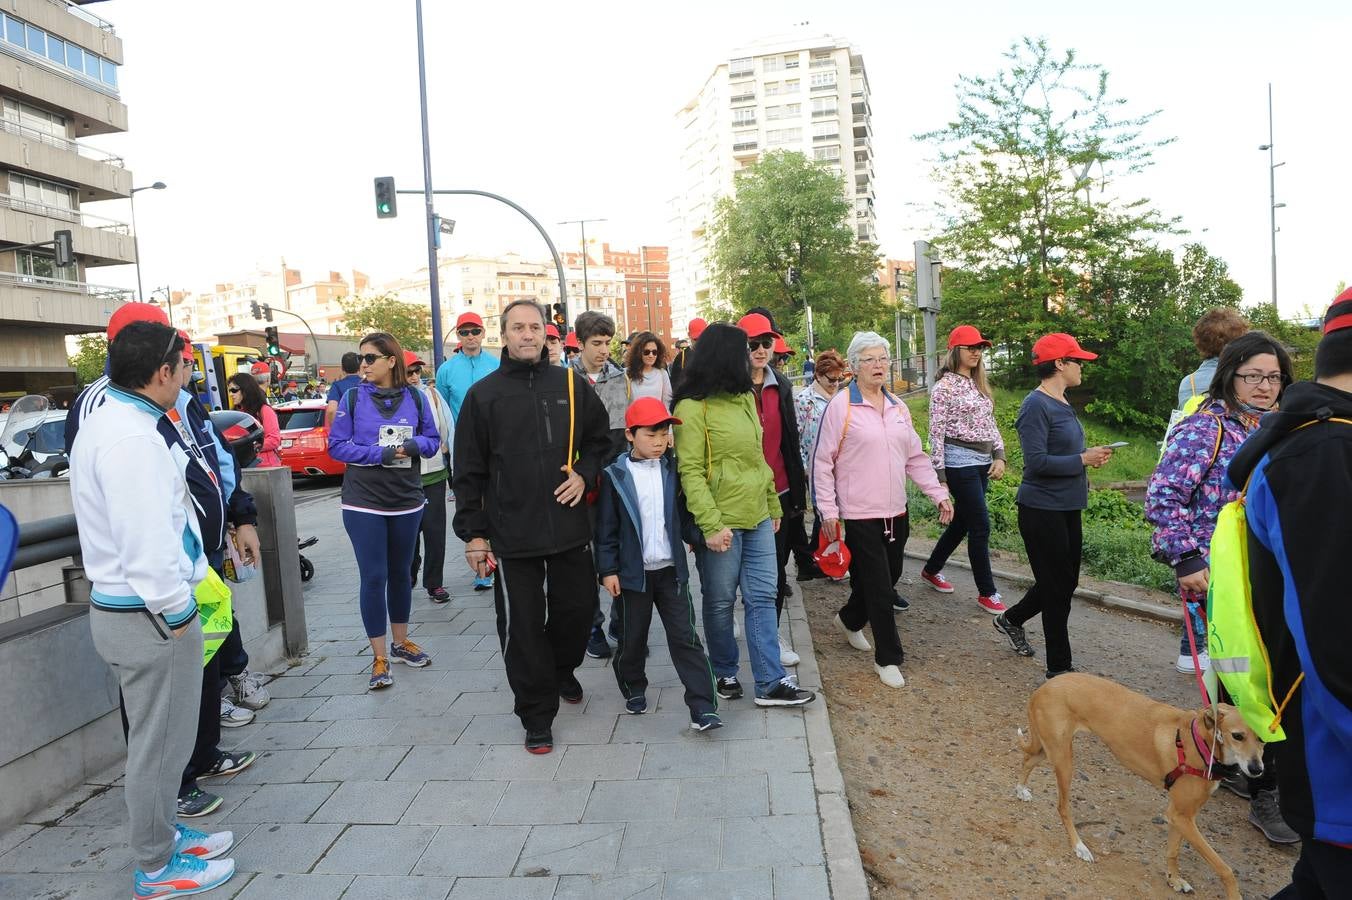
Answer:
(1190, 406)
(350, 400)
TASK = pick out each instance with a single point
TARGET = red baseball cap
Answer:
(551, 330)
(755, 325)
(832, 557)
(469, 318)
(696, 328)
(187, 346)
(648, 412)
(570, 341)
(1339, 314)
(780, 346)
(411, 359)
(127, 313)
(966, 336)
(1058, 345)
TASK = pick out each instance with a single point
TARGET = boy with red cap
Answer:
(554, 344)
(640, 559)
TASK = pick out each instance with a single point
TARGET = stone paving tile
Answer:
(730, 796)
(232, 795)
(629, 801)
(542, 803)
(609, 887)
(509, 762)
(276, 848)
(294, 887)
(742, 884)
(71, 887)
(61, 848)
(610, 762)
(382, 802)
(591, 729)
(107, 809)
(801, 882)
(472, 703)
(438, 762)
(792, 793)
(656, 727)
(685, 760)
(360, 763)
(272, 736)
(15, 836)
(478, 680)
(778, 755)
(292, 685)
(442, 729)
(341, 665)
(677, 846)
(288, 803)
(398, 887)
(473, 850)
(289, 709)
(504, 888)
(570, 849)
(352, 733)
(455, 803)
(493, 729)
(772, 841)
(377, 850)
(281, 767)
(385, 704)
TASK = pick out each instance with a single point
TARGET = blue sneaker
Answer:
(637, 705)
(409, 654)
(484, 584)
(706, 722)
(184, 875)
(201, 845)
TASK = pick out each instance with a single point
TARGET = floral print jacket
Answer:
(1187, 488)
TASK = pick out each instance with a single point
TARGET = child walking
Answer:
(640, 559)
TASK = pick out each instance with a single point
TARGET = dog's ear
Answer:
(1209, 719)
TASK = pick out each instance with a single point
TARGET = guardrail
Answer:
(67, 215)
(75, 287)
(89, 17)
(61, 143)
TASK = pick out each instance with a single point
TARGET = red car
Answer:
(305, 439)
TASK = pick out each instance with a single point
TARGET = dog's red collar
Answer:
(1212, 770)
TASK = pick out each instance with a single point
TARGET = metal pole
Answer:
(136, 246)
(647, 290)
(586, 294)
(307, 328)
(1272, 197)
(433, 273)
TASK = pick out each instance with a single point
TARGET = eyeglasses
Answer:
(470, 332)
(1259, 378)
(872, 360)
(760, 344)
(834, 382)
(232, 390)
(650, 352)
(974, 348)
(370, 358)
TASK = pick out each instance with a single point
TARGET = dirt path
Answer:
(930, 768)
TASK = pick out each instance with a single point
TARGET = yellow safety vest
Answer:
(215, 612)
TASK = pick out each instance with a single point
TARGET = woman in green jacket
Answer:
(730, 491)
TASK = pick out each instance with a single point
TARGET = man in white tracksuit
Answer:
(143, 555)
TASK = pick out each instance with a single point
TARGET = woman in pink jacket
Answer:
(866, 449)
(247, 396)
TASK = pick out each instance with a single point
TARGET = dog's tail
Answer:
(1029, 742)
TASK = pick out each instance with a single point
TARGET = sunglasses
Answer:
(370, 358)
(760, 344)
(834, 382)
(232, 390)
(470, 332)
(415, 370)
(649, 352)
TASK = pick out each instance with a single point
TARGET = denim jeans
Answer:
(751, 564)
(968, 486)
(1198, 628)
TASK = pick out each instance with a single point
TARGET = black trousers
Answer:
(231, 654)
(782, 547)
(432, 532)
(1323, 871)
(543, 630)
(205, 751)
(876, 553)
(1053, 541)
(635, 612)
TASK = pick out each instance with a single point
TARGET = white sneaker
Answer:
(1184, 663)
(856, 638)
(233, 716)
(787, 657)
(890, 675)
(247, 690)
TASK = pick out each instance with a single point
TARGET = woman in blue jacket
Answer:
(382, 430)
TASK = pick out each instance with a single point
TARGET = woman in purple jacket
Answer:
(383, 430)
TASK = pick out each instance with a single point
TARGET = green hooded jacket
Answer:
(727, 482)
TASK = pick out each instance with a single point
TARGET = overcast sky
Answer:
(268, 121)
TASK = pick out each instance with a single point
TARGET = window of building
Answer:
(35, 264)
(772, 64)
(58, 53)
(783, 136)
(772, 88)
(37, 40)
(791, 86)
(740, 68)
(35, 190)
(742, 117)
(822, 80)
(791, 61)
(827, 153)
(14, 31)
(823, 107)
(34, 117)
(56, 50)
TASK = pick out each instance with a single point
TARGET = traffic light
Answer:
(561, 317)
(267, 311)
(794, 276)
(386, 207)
(274, 346)
(253, 310)
(65, 252)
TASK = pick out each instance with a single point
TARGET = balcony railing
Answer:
(101, 291)
(824, 113)
(66, 215)
(824, 87)
(744, 147)
(79, 13)
(61, 143)
(823, 138)
(822, 63)
(743, 98)
(743, 123)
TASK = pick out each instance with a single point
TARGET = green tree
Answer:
(791, 212)
(90, 354)
(410, 325)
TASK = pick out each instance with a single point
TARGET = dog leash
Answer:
(1208, 755)
(1194, 608)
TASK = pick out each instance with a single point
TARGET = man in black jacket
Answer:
(520, 510)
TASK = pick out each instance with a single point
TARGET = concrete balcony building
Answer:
(58, 85)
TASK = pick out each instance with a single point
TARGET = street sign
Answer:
(447, 226)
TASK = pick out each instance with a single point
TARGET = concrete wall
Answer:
(32, 590)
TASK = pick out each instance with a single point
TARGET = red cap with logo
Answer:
(411, 359)
(570, 341)
(782, 347)
(648, 412)
(696, 328)
(127, 313)
(832, 556)
(1058, 345)
(187, 345)
(469, 318)
(966, 336)
(551, 331)
(755, 325)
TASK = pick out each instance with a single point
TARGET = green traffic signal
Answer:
(386, 207)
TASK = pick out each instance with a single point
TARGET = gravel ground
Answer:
(930, 768)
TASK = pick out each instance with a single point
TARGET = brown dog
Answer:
(1145, 736)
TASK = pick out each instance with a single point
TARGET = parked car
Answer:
(49, 443)
(305, 439)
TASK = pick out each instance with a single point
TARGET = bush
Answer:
(1123, 554)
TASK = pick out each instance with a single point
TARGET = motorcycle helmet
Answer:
(242, 433)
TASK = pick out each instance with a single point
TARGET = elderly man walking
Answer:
(530, 442)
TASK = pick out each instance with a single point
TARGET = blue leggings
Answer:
(384, 549)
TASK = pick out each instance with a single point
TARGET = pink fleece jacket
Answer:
(864, 475)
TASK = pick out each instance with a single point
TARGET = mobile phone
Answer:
(1115, 444)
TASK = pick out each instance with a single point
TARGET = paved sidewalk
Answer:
(424, 790)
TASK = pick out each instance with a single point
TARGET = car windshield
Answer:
(296, 419)
(51, 437)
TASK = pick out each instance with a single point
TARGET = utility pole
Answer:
(927, 300)
(433, 273)
(647, 290)
(586, 295)
(1272, 195)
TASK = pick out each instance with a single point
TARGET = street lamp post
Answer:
(586, 297)
(136, 234)
(168, 301)
(1273, 205)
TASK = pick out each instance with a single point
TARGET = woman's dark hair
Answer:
(719, 364)
(1045, 370)
(641, 340)
(388, 346)
(251, 396)
(1237, 353)
(138, 351)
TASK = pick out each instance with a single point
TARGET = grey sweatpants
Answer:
(161, 680)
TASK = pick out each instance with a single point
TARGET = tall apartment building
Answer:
(58, 85)
(794, 93)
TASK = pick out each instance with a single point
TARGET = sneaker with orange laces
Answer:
(994, 604)
(937, 581)
(380, 674)
(410, 654)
